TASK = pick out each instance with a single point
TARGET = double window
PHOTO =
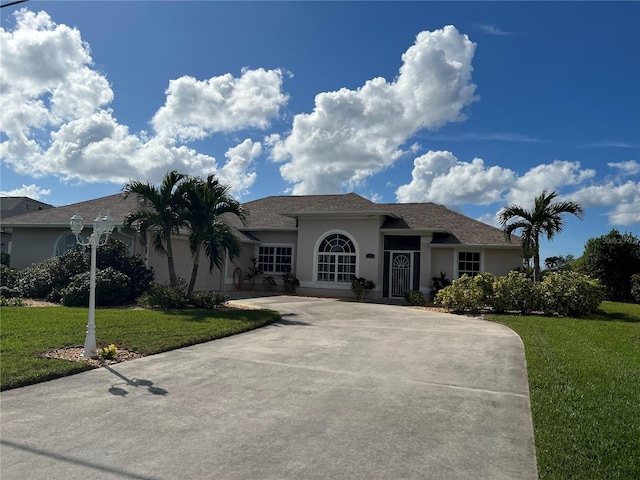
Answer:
(275, 259)
(336, 259)
(468, 263)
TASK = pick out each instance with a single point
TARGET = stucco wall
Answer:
(34, 245)
(502, 261)
(441, 261)
(365, 233)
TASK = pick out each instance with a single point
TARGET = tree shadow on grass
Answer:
(615, 316)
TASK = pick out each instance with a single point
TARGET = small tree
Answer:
(161, 214)
(544, 219)
(613, 258)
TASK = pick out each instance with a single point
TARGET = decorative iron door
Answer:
(401, 273)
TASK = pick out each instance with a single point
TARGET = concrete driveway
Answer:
(335, 390)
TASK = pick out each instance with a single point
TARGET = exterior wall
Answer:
(365, 233)
(497, 261)
(34, 245)
(501, 261)
(441, 261)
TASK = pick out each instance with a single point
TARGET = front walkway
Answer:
(335, 390)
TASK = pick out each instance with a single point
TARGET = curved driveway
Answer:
(335, 390)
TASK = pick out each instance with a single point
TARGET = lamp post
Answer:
(102, 227)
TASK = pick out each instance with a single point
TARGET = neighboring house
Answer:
(324, 240)
(11, 207)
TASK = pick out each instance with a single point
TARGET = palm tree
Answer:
(205, 201)
(544, 218)
(161, 214)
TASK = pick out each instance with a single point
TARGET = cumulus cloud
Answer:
(441, 178)
(353, 134)
(31, 191)
(239, 160)
(55, 115)
(549, 176)
(195, 109)
(624, 197)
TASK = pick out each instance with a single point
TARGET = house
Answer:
(324, 240)
(11, 207)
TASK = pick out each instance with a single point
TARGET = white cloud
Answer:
(239, 160)
(353, 134)
(630, 167)
(32, 191)
(547, 176)
(195, 109)
(625, 198)
(494, 30)
(440, 177)
(54, 111)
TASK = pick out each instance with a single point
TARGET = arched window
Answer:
(336, 259)
(66, 243)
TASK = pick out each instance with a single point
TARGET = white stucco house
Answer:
(321, 239)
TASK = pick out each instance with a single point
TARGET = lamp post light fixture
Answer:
(102, 228)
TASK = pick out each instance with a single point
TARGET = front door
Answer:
(400, 273)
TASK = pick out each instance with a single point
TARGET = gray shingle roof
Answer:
(116, 205)
(279, 212)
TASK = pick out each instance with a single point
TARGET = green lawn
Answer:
(26, 332)
(584, 380)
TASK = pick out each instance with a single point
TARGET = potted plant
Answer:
(290, 282)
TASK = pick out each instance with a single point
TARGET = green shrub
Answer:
(115, 254)
(635, 287)
(466, 294)
(208, 300)
(8, 279)
(514, 293)
(112, 287)
(415, 297)
(571, 293)
(47, 279)
(361, 287)
(165, 296)
(10, 302)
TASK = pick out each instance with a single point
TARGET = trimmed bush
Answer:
(48, 278)
(571, 293)
(562, 293)
(515, 293)
(8, 279)
(115, 254)
(165, 296)
(415, 297)
(208, 300)
(111, 287)
(361, 287)
(466, 294)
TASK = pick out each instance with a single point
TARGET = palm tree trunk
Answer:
(194, 271)
(536, 262)
(173, 280)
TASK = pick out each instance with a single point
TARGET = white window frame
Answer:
(275, 246)
(316, 255)
(456, 261)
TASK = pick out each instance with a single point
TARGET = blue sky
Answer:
(474, 105)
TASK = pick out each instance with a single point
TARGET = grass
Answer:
(26, 332)
(584, 380)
